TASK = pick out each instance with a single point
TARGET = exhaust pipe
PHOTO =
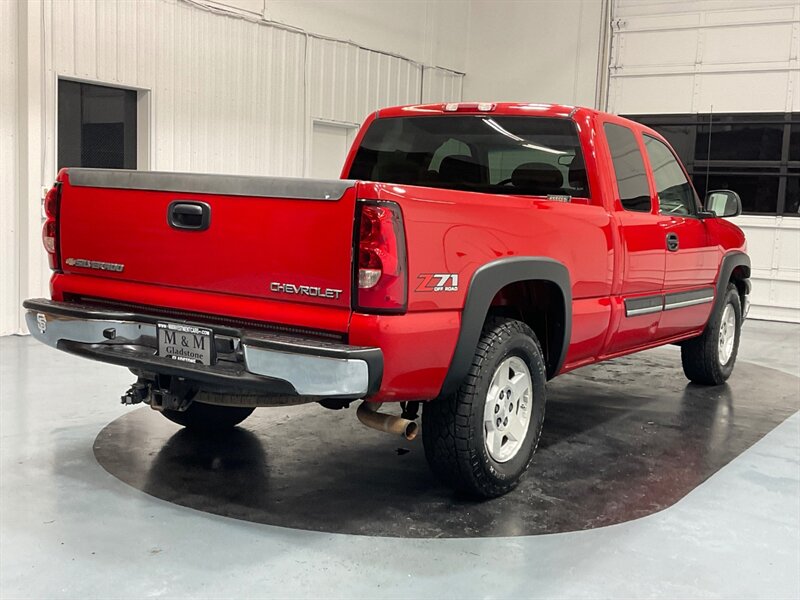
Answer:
(368, 414)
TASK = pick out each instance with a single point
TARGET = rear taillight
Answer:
(381, 281)
(50, 228)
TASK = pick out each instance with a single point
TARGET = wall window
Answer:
(756, 155)
(792, 206)
(634, 191)
(96, 126)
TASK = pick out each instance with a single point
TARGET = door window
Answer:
(634, 191)
(675, 193)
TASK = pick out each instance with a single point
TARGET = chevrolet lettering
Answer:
(304, 290)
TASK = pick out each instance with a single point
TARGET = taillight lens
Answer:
(50, 227)
(381, 278)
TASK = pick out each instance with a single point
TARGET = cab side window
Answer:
(634, 191)
(675, 193)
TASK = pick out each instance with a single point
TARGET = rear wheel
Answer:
(481, 439)
(208, 417)
(709, 358)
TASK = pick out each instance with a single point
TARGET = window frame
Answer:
(145, 139)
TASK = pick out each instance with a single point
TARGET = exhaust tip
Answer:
(368, 414)
(412, 429)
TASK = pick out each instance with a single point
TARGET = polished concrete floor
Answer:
(84, 515)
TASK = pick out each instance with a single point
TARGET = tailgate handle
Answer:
(190, 215)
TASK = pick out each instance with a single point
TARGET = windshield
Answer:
(532, 156)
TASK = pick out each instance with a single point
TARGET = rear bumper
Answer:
(272, 364)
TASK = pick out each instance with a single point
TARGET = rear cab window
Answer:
(519, 155)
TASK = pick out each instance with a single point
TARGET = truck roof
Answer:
(490, 108)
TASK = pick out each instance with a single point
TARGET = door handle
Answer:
(672, 242)
(189, 215)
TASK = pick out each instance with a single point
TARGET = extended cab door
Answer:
(691, 258)
(642, 259)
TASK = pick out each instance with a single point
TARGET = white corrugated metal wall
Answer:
(680, 56)
(221, 93)
(9, 271)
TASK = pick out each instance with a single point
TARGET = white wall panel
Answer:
(250, 6)
(737, 56)
(652, 94)
(329, 146)
(372, 81)
(636, 48)
(743, 92)
(432, 32)
(9, 239)
(745, 44)
(536, 51)
(774, 247)
(226, 93)
(681, 56)
(439, 85)
(215, 80)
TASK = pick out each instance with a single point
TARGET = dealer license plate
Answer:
(185, 343)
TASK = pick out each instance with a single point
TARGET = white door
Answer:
(329, 146)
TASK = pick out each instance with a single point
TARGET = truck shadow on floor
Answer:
(621, 440)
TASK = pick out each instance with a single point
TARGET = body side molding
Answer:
(645, 305)
(486, 282)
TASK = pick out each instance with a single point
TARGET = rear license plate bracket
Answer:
(186, 343)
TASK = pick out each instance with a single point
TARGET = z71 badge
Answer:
(438, 282)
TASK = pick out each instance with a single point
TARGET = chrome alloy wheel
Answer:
(507, 412)
(727, 334)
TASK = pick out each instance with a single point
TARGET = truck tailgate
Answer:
(274, 238)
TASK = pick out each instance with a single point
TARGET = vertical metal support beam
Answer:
(32, 74)
(604, 55)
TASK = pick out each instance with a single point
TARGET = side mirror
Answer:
(723, 203)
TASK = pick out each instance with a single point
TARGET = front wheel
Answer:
(208, 418)
(481, 439)
(709, 358)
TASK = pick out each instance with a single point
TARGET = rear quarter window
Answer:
(629, 169)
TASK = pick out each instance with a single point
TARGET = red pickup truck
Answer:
(469, 253)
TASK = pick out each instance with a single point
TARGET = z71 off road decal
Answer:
(438, 282)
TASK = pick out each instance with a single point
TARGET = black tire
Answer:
(453, 430)
(208, 417)
(701, 356)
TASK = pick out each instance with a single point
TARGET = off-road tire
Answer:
(453, 431)
(208, 418)
(700, 356)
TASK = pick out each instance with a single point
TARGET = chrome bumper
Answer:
(273, 364)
